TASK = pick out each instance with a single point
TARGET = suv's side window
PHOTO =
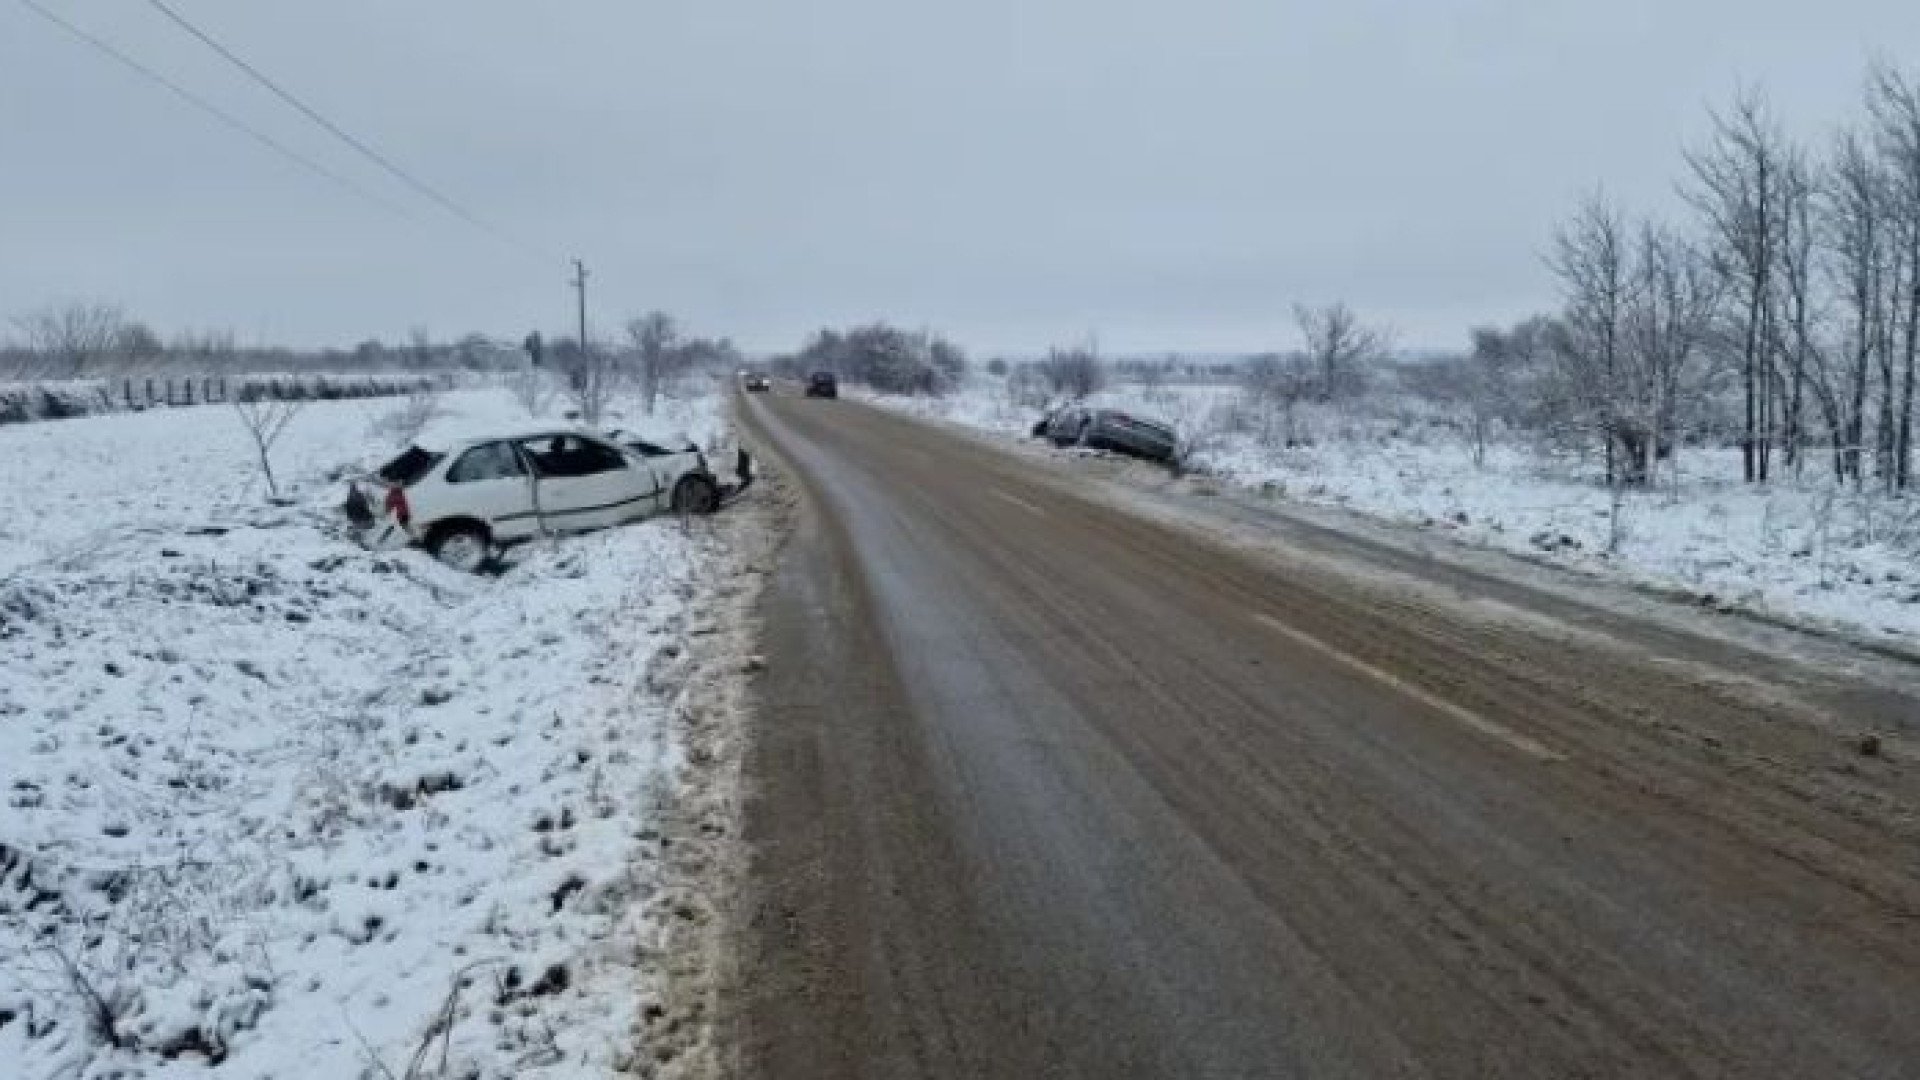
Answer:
(492, 461)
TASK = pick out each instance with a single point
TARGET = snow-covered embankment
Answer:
(275, 805)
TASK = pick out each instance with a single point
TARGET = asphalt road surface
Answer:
(1041, 788)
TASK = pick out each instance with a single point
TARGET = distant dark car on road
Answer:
(1109, 429)
(757, 383)
(823, 384)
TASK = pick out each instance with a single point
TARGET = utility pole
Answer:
(579, 284)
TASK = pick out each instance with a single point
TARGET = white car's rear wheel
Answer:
(463, 547)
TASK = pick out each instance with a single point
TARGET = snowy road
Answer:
(1044, 788)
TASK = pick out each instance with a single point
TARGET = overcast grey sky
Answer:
(1171, 174)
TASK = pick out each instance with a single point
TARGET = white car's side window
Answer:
(570, 455)
(599, 457)
(493, 461)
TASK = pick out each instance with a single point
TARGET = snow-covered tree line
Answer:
(886, 358)
(97, 340)
(653, 354)
(1781, 315)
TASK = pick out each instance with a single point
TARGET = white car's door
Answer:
(490, 482)
(583, 483)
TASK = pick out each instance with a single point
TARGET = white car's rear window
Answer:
(409, 467)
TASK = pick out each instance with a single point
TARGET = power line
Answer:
(338, 132)
(211, 109)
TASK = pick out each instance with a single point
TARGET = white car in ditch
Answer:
(464, 499)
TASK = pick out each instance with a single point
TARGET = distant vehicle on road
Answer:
(756, 382)
(1109, 429)
(462, 500)
(823, 384)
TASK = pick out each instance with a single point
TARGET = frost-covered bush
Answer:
(21, 402)
(329, 387)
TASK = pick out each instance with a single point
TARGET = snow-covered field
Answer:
(1799, 551)
(272, 805)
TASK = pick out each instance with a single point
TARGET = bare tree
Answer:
(1590, 257)
(1859, 245)
(1075, 372)
(137, 345)
(715, 356)
(1495, 376)
(403, 426)
(371, 353)
(1339, 347)
(886, 358)
(948, 361)
(1737, 181)
(590, 376)
(1027, 387)
(656, 352)
(1280, 384)
(1798, 347)
(532, 390)
(472, 351)
(205, 350)
(1631, 345)
(1894, 102)
(1668, 321)
(420, 349)
(266, 420)
(70, 340)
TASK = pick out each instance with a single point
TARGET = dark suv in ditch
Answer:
(823, 384)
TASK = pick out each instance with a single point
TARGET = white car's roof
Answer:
(657, 438)
(450, 437)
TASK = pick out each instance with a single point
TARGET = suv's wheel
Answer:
(695, 495)
(463, 545)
